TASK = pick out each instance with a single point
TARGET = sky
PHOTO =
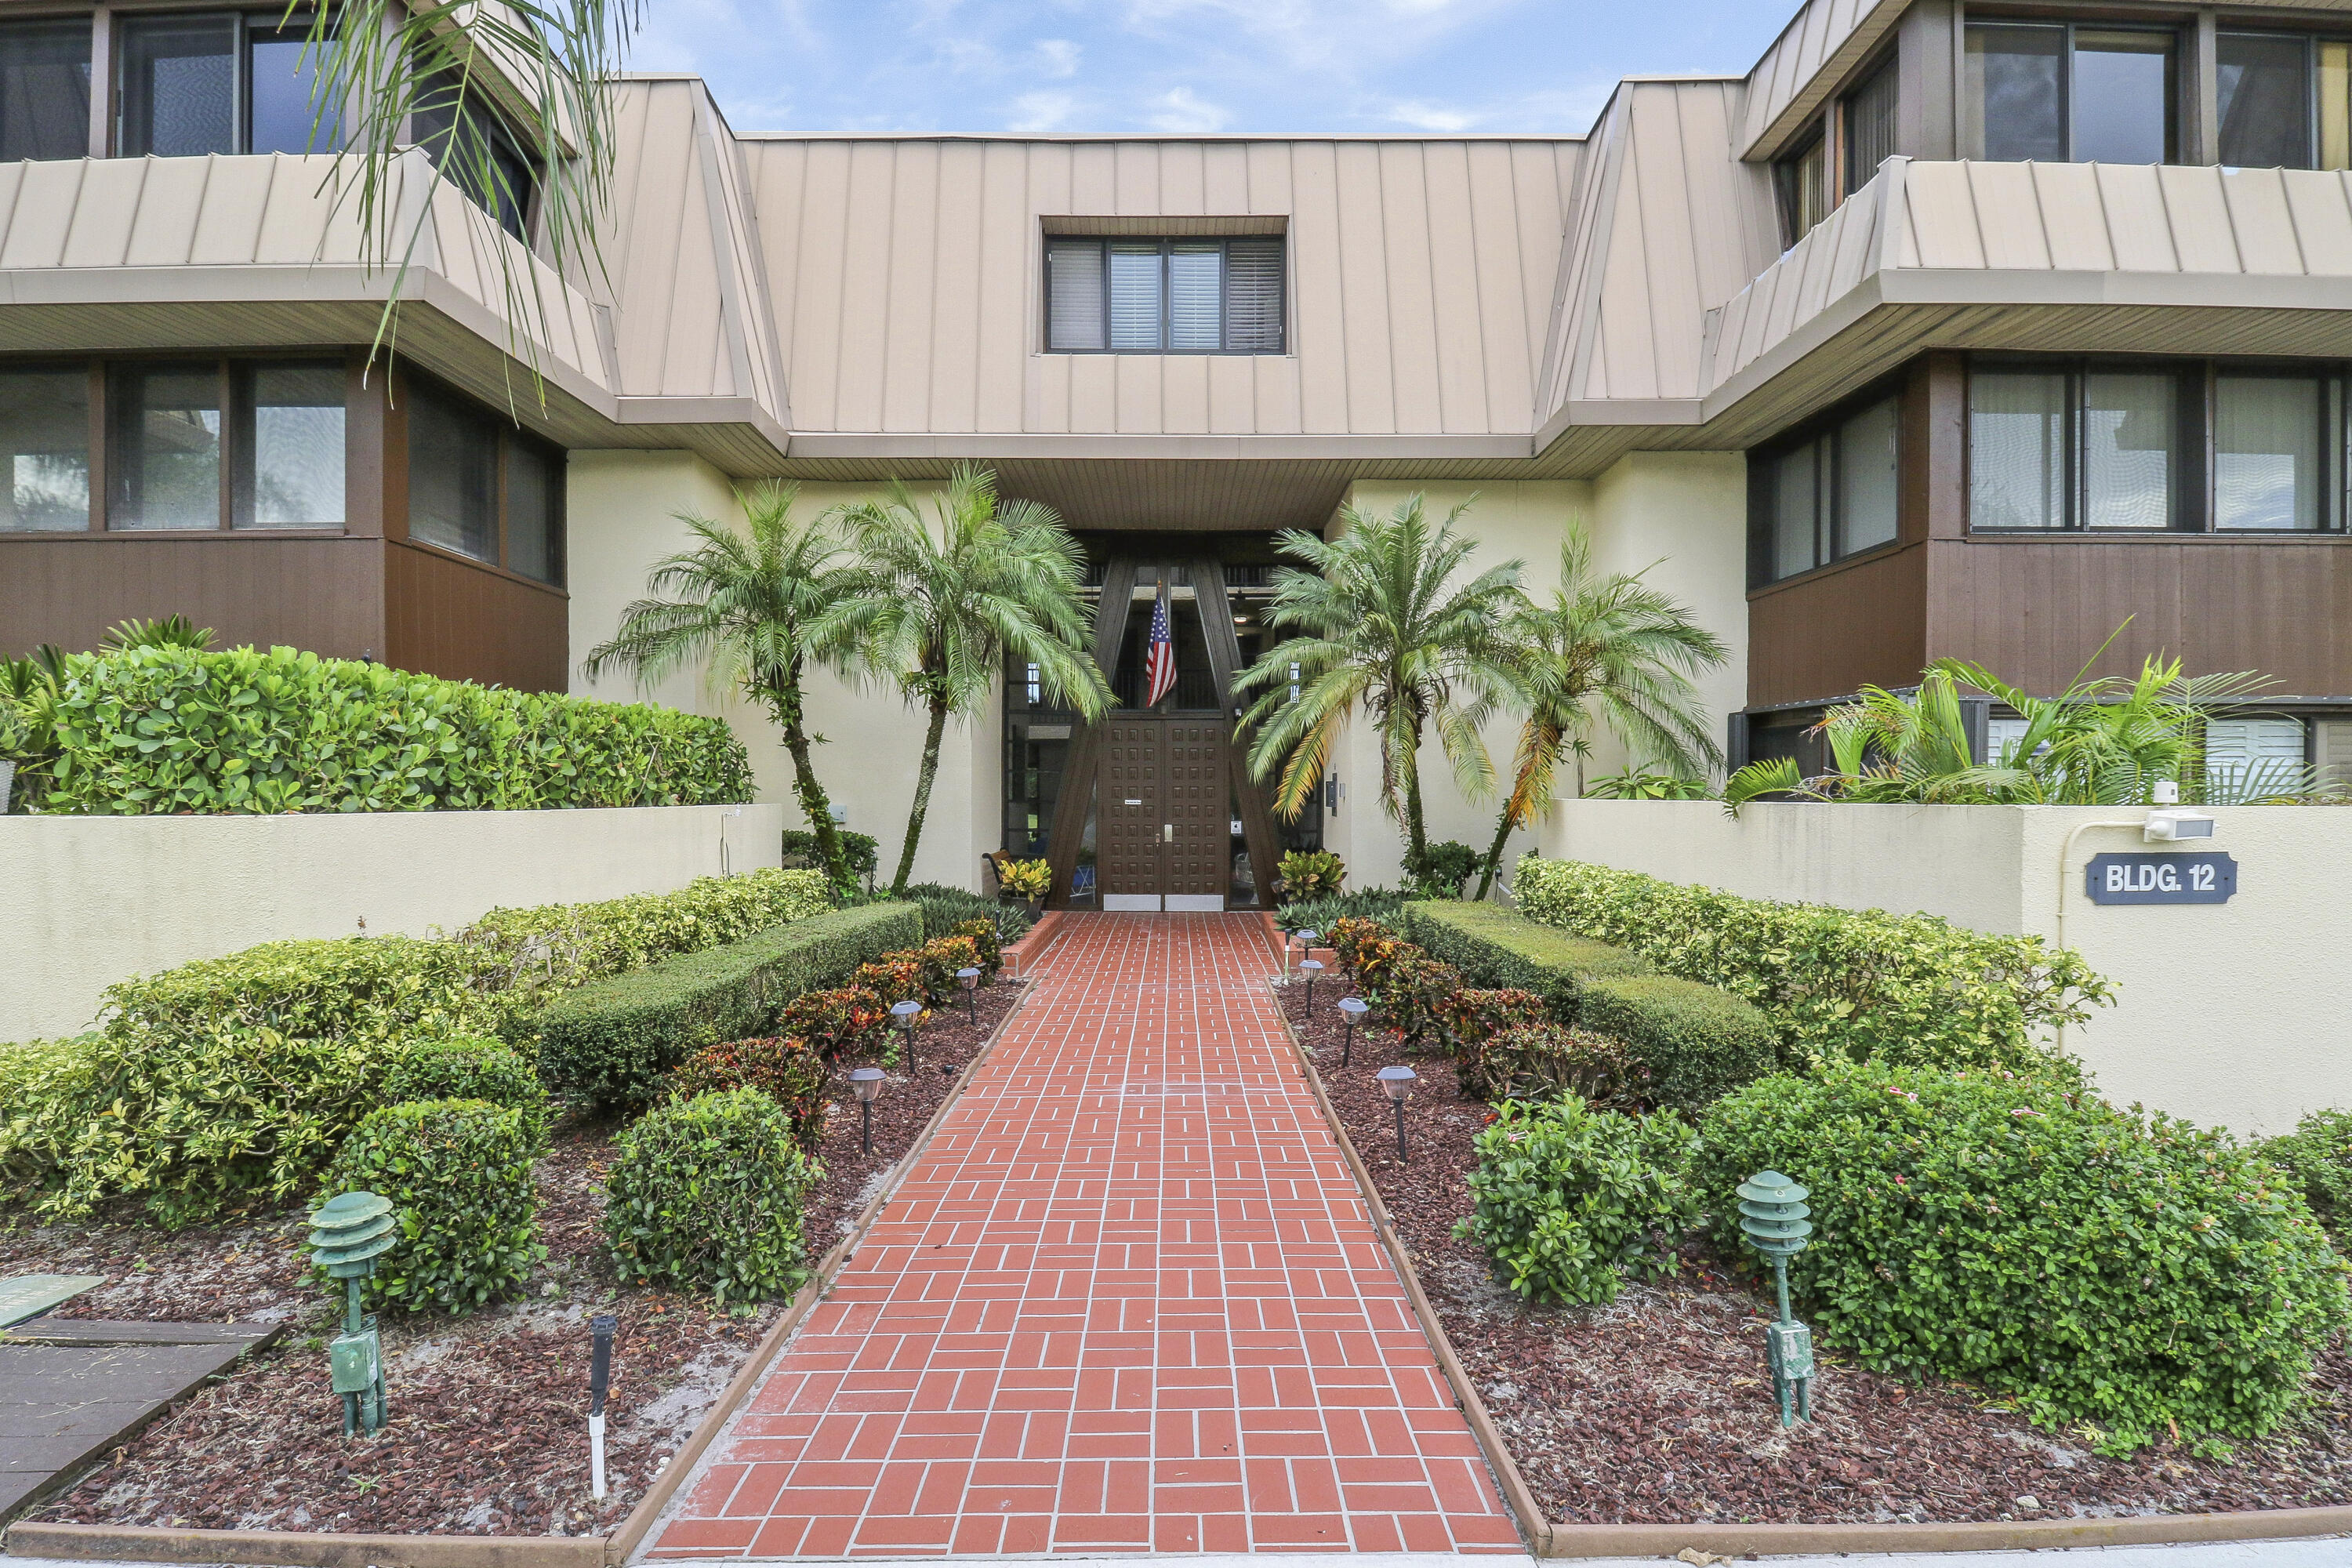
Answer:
(1190, 65)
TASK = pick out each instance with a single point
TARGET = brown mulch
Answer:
(1657, 1408)
(489, 1432)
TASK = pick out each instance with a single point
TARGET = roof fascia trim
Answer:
(1334, 449)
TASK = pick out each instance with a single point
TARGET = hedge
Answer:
(231, 1081)
(612, 1042)
(1698, 1041)
(458, 1172)
(705, 1195)
(1837, 983)
(158, 729)
(2098, 1267)
(1494, 947)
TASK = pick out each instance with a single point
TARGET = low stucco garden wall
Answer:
(2237, 1014)
(88, 900)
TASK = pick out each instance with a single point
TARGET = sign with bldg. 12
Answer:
(2208, 878)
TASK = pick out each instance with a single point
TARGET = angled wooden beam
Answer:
(1258, 831)
(1077, 796)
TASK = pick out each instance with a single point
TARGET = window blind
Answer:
(1135, 295)
(1191, 295)
(1195, 305)
(1074, 285)
(1254, 295)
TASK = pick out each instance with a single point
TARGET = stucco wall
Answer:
(95, 900)
(2231, 1014)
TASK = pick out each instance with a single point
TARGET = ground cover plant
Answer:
(156, 729)
(1839, 985)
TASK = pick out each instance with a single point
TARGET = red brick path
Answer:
(1130, 1299)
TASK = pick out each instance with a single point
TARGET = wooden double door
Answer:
(1163, 817)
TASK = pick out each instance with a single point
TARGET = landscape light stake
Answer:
(1351, 1008)
(1773, 1215)
(1397, 1081)
(348, 1232)
(600, 1377)
(1305, 941)
(906, 1012)
(1310, 967)
(868, 1082)
(969, 979)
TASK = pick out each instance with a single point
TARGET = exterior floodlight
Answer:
(1310, 967)
(1774, 1218)
(1398, 1083)
(906, 1014)
(348, 1232)
(969, 979)
(2172, 826)
(868, 1082)
(1352, 1011)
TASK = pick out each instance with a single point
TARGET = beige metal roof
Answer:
(906, 273)
(1820, 44)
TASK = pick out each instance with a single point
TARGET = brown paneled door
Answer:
(1162, 818)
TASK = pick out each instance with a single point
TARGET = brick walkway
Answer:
(1128, 1300)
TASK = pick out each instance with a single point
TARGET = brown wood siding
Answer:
(325, 594)
(1825, 634)
(448, 616)
(2034, 610)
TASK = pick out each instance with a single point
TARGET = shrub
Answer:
(1443, 868)
(470, 1067)
(1027, 878)
(1697, 1041)
(1322, 914)
(1309, 874)
(1467, 1018)
(946, 908)
(937, 962)
(458, 1174)
(986, 943)
(1838, 984)
(1571, 1200)
(2096, 1265)
(1493, 946)
(612, 1042)
(158, 730)
(555, 947)
(895, 977)
(841, 1021)
(1411, 997)
(1542, 1061)
(1363, 945)
(705, 1195)
(860, 851)
(2318, 1156)
(786, 1070)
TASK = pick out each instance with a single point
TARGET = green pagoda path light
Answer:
(348, 1234)
(1773, 1215)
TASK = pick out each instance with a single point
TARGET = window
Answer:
(44, 91)
(226, 83)
(481, 487)
(1870, 125)
(1800, 181)
(163, 447)
(44, 441)
(2247, 758)
(1164, 296)
(2057, 92)
(282, 454)
(289, 446)
(2284, 102)
(475, 148)
(2062, 445)
(1835, 492)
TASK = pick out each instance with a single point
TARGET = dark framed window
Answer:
(1868, 115)
(45, 90)
(479, 487)
(2092, 446)
(1833, 490)
(1180, 295)
(472, 143)
(207, 444)
(2071, 92)
(45, 440)
(224, 82)
(1801, 185)
(2283, 100)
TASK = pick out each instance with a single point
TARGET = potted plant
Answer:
(1308, 874)
(1028, 880)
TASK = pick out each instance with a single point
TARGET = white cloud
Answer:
(1056, 58)
(1182, 111)
(1039, 111)
(1436, 117)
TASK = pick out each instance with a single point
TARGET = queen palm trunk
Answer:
(792, 717)
(930, 770)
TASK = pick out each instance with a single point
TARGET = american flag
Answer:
(1160, 664)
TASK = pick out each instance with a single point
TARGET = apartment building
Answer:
(1949, 330)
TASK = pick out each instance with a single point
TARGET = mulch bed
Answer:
(1658, 1409)
(489, 1431)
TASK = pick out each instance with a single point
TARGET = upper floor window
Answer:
(1191, 295)
(479, 487)
(2284, 102)
(1867, 116)
(1834, 492)
(1840, 155)
(2065, 92)
(475, 149)
(194, 84)
(44, 91)
(1800, 181)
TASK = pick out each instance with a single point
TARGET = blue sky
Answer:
(1538, 65)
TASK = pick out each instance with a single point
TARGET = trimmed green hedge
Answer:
(458, 1172)
(1494, 947)
(612, 1042)
(705, 1195)
(1839, 985)
(157, 729)
(1698, 1041)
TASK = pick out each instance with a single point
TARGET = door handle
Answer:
(1167, 833)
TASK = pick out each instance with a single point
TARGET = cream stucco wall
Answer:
(623, 518)
(95, 900)
(2228, 1013)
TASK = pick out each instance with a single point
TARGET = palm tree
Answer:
(762, 607)
(1385, 629)
(1612, 648)
(943, 601)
